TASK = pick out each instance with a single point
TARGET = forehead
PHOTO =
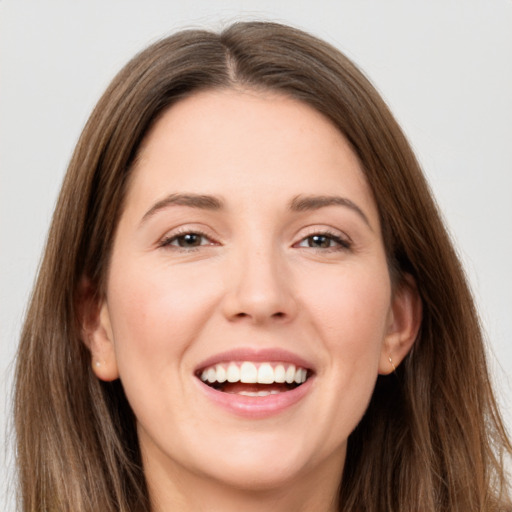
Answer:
(246, 144)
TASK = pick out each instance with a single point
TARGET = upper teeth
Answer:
(249, 373)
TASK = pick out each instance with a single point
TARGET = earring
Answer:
(97, 364)
(391, 363)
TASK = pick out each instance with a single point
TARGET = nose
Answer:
(259, 290)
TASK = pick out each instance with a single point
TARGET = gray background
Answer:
(445, 68)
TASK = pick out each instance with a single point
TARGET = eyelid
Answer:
(344, 241)
(173, 234)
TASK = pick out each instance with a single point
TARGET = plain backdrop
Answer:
(445, 68)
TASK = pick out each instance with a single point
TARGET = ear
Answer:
(403, 325)
(96, 332)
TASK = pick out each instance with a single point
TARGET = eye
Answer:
(324, 241)
(189, 240)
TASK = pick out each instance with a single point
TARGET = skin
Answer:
(256, 280)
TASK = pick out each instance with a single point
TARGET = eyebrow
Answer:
(203, 202)
(308, 203)
(213, 203)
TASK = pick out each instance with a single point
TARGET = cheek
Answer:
(349, 314)
(356, 301)
(351, 309)
(155, 315)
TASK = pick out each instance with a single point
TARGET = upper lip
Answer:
(255, 355)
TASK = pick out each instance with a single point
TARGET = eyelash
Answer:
(168, 241)
(339, 243)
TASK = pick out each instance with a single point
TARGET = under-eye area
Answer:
(254, 379)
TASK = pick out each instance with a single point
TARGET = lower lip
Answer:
(256, 407)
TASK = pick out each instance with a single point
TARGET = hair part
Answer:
(431, 439)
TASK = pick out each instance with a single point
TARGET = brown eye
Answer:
(186, 241)
(319, 241)
(189, 240)
(327, 241)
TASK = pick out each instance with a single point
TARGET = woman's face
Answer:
(249, 253)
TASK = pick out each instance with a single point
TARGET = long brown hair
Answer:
(431, 439)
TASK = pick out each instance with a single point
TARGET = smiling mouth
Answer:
(254, 379)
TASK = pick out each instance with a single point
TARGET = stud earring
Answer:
(391, 363)
(97, 364)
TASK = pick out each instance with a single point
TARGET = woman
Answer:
(248, 301)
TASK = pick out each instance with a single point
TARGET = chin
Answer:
(259, 476)
(264, 461)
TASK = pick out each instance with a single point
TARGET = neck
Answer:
(282, 500)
